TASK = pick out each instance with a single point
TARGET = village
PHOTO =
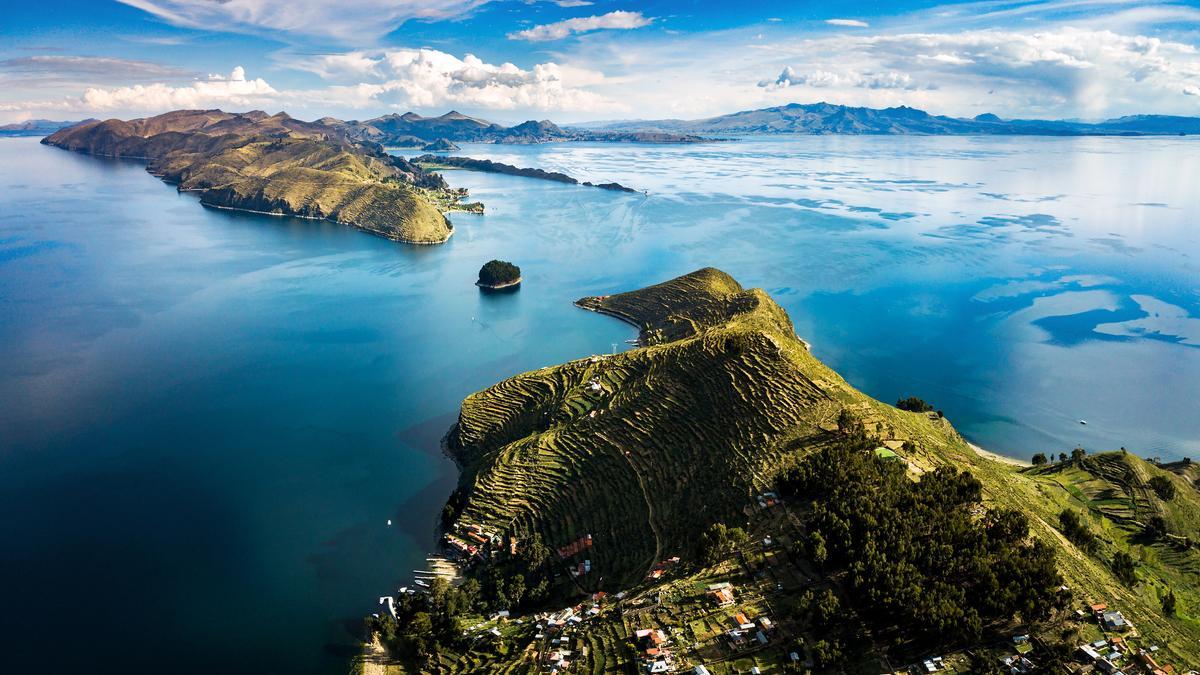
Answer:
(732, 617)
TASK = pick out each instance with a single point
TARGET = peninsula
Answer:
(434, 162)
(719, 497)
(274, 164)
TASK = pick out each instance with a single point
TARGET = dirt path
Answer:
(658, 552)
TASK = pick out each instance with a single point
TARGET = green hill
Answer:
(276, 165)
(626, 460)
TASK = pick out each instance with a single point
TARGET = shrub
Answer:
(913, 404)
(1163, 487)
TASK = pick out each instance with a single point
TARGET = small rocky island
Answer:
(498, 274)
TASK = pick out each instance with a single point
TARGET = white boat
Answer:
(422, 584)
(1083, 421)
(389, 522)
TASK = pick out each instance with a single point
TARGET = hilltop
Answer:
(828, 118)
(712, 497)
(278, 165)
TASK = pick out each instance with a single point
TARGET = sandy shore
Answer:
(997, 458)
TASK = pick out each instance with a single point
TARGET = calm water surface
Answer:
(207, 418)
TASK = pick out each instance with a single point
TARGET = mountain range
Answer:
(37, 127)
(828, 118)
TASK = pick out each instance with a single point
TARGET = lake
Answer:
(208, 417)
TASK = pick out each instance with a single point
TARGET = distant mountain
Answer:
(37, 127)
(827, 118)
(404, 130)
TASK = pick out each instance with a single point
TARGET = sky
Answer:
(588, 60)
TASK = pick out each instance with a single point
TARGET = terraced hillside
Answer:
(644, 450)
(275, 165)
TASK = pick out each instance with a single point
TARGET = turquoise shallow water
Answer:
(208, 417)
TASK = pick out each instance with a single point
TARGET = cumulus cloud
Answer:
(823, 78)
(424, 78)
(343, 21)
(1065, 71)
(850, 23)
(618, 20)
(233, 90)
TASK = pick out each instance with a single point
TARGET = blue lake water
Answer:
(206, 418)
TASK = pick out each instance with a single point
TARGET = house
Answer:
(1098, 609)
(700, 670)
(659, 666)
(1113, 621)
(1089, 653)
(722, 596)
(761, 637)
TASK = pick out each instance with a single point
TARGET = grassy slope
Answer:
(270, 164)
(688, 428)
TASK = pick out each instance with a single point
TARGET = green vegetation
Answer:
(915, 555)
(275, 165)
(678, 447)
(498, 274)
(913, 404)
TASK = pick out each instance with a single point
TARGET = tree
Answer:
(1124, 568)
(847, 422)
(912, 553)
(1062, 457)
(1168, 603)
(1076, 531)
(1156, 527)
(1077, 455)
(1163, 487)
(913, 404)
(720, 540)
(1039, 459)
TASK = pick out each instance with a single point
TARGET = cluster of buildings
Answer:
(747, 632)
(580, 544)
(1113, 654)
(555, 630)
(654, 656)
(472, 542)
(661, 568)
(721, 594)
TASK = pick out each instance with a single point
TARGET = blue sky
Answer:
(574, 60)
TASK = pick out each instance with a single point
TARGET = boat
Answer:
(422, 584)
(1083, 421)
(389, 522)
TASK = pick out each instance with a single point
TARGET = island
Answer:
(498, 274)
(434, 162)
(718, 496)
(277, 165)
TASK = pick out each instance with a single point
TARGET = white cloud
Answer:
(618, 20)
(343, 21)
(849, 23)
(427, 78)
(821, 79)
(1062, 72)
(62, 66)
(233, 90)
(573, 3)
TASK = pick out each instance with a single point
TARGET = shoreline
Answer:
(497, 287)
(988, 454)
